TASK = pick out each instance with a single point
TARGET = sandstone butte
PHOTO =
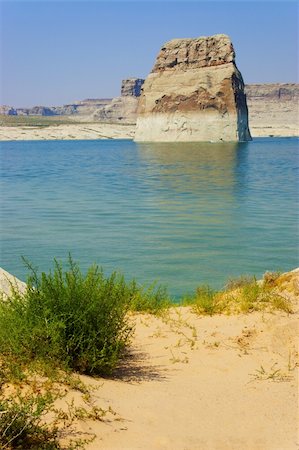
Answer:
(194, 93)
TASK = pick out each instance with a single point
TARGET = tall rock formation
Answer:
(194, 93)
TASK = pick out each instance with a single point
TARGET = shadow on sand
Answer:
(134, 367)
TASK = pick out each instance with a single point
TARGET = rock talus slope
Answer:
(194, 93)
(122, 109)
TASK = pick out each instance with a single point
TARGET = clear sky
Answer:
(56, 52)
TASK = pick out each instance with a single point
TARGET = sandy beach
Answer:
(192, 383)
(189, 382)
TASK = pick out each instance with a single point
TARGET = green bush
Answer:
(68, 319)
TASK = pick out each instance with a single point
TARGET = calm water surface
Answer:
(181, 214)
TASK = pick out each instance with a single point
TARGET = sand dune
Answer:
(204, 383)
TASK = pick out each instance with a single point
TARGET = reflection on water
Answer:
(194, 175)
(182, 214)
(198, 186)
(189, 166)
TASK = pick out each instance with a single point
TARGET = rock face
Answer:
(83, 107)
(122, 109)
(194, 93)
(131, 87)
(35, 111)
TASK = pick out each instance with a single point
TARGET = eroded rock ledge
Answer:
(194, 93)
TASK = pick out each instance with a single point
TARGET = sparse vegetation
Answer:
(23, 424)
(259, 297)
(241, 281)
(273, 373)
(242, 295)
(270, 278)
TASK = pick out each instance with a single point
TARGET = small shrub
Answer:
(236, 283)
(152, 300)
(205, 301)
(281, 303)
(250, 297)
(270, 278)
(30, 421)
(68, 319)
(21, 424)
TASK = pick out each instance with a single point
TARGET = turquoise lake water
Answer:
(180, 214)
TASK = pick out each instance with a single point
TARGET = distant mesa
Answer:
(273, 92)
(34, 111)
(194, 93)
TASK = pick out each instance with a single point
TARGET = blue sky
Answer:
(55, 52)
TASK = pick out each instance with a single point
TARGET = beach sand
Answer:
(189, 382)
(197, 383)
(194, 383)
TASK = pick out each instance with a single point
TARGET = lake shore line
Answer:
(93, 131)
(221, 382)
(80, 131)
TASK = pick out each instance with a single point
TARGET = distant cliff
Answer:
(194, 93)
(273, 109)
(82, 107)
(120, 109)
(274, 92)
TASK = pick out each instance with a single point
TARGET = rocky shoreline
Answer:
(67, 132)
(95, 131)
